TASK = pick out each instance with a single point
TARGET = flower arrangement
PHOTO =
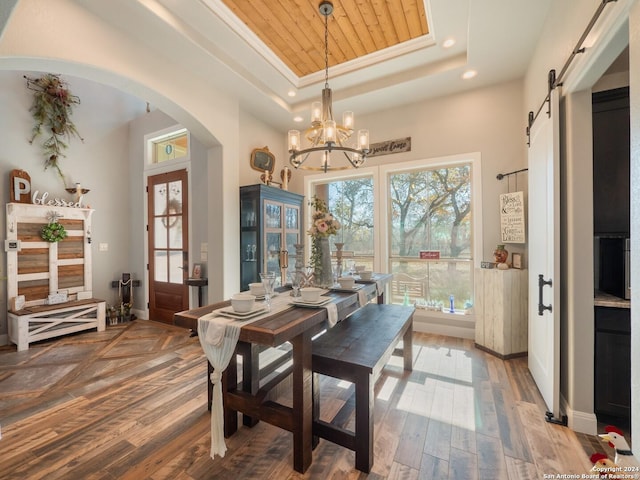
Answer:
(53, 232)
(323, 224)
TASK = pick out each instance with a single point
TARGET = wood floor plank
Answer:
(514, 440)
(388, 432)
(400, 471)
(411, 444)
(491, 462)
(130, 403)
(433, 467)
(462, 465)
(520, 470)
(487, 423)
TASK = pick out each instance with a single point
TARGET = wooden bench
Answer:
(47, 321)
(356, 350)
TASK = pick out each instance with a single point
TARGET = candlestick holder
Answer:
(339, 246)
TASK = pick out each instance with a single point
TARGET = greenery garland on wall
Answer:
(51, 110)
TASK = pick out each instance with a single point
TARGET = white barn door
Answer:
(544, 254)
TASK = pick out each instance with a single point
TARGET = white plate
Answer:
(301, 303)
(230, 313)
(338, 288)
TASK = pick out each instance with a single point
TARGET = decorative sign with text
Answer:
(20, 187)
(20, 192)
(512, 224)
(390, 146)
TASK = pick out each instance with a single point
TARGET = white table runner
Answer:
(218, 337)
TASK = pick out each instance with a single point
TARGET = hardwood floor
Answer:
(130, 403)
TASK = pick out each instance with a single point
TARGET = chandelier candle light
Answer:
(324, 134)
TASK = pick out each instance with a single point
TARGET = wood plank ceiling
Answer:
(294, 29)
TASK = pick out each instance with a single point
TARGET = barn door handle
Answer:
(541, 283)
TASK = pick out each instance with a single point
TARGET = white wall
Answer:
(256, 134)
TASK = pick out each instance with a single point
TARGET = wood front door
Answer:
(168, 239)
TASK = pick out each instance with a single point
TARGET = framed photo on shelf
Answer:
(516, 260)
(197, 270)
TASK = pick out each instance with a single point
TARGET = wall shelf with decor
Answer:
(270, 221)
(49, 282)
(501, 308)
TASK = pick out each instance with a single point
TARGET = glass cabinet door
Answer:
(292, 229)
(270, 222)
(249, 213)
(272, 215)
(272, 252)
(249, 257)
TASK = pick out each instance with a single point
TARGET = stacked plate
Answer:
(229, 312)
(338, 288)
(298, 302)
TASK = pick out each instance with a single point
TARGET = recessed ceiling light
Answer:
(469, 74)
(448, 43)
(298, 119)
(291, 93)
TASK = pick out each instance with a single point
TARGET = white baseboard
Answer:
(582, 422)
(140, 314)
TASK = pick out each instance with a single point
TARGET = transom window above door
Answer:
(171, 146)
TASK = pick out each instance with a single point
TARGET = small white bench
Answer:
(47, 321)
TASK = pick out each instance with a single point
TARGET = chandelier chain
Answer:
(326, 51)
(325, 134)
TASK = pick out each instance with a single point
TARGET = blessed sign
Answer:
(512, 225)
(20, 186)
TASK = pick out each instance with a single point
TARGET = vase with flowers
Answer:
(323, 225)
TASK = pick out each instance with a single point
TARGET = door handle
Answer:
(541, 283)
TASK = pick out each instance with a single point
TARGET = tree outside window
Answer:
(430, 209)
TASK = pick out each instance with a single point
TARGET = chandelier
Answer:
(324, 134)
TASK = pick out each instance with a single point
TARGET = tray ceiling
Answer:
(294, 29)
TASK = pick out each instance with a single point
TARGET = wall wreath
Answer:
(53, 232)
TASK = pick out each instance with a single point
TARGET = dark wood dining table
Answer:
(296, 325)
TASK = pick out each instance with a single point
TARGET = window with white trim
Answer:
(417, 220)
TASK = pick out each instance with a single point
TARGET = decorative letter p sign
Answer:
(20, 186)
